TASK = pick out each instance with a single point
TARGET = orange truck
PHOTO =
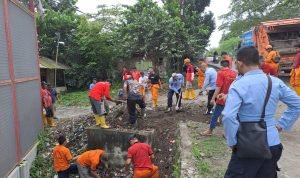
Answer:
(281, 34)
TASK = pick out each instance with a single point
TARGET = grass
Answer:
(176, 169)
(176, 173)
(209, 153)
(42, 165)
(80, 97)
(74, 98)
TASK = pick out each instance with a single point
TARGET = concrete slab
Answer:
(115, 142)
(188, 167)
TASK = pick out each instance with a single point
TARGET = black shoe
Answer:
(206, 113)
(169, 110)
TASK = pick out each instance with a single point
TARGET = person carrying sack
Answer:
(250, 127)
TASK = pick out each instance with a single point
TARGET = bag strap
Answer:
(267, 97)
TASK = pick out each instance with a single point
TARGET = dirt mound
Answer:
(166, 127)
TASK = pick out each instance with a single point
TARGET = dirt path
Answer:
(71, 112)
(290, 160)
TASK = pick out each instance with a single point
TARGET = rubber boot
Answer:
(50, 121)
(192, 94)
(153, 103)
(97, 119)
(44, 120)
(156, 102)
(187, 95)
(103, 122)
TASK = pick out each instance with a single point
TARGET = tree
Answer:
(95, 42)
(160, 32)
(198, 23)
(48, 28)
(88, 48)
(61, 5)
(245, 14)
(96, 54)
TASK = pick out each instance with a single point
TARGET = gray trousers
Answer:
(99, 107)
(83, 172)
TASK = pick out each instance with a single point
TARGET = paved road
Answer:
(290, 160)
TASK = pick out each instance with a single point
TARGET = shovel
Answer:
(177, 102)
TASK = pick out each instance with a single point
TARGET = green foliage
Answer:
(74, 98)
(244, 14)
(228, 45)
(49, 25)
(206, 150)
(95, 44)
(81, 97)
(42, 166)
(177, 169)
(60, 5)
(93, 56)
(156, 32)
(176, 173)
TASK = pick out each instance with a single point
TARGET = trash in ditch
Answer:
(172, 141)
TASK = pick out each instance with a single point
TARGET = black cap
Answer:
(44, 83)
(132, 137)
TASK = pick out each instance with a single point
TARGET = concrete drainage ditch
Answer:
(115, 142)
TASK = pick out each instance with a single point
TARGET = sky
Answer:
(218, 7)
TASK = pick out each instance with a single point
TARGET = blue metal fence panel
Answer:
(8, 152)
(29, 112)
(4, 72)
(23, 42)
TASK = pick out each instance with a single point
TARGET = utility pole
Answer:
(56, 58)
(181, 8)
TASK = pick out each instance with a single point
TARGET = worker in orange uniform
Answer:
(200, 75)
(88, 162)
(266, 67)
(295, 73)
(189, 92)
(61, 159)
(98, 95)
(140, 155)
(272, 58)
(225, 56)
(47, 105)
(135, 74)
(155, 82)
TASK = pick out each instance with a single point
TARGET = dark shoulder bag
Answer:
(252, 136)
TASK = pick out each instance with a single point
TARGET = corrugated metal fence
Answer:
(20, 103)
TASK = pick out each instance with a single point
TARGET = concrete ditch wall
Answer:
(115, 142)
(23, 169)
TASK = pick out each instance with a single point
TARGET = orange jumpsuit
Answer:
(200, 79)
(146, 173)
(295, 80)
(269, 59)
(155, 85)
(295, 74)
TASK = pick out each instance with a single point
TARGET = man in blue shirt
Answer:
(209, 81)
(246, 98)
(175, 84)
(93, 83)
